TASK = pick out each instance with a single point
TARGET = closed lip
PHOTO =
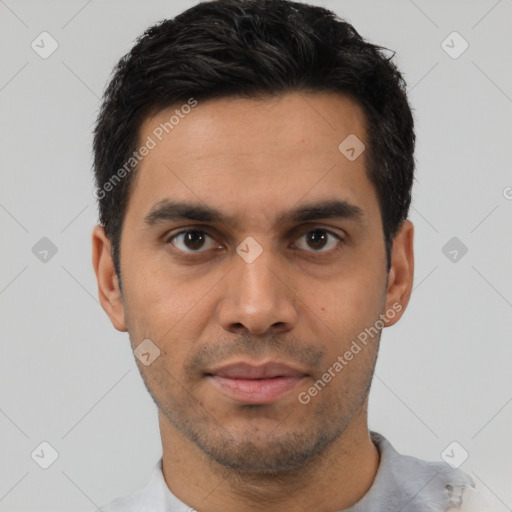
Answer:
(247, 370)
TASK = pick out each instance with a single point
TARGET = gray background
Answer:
(68, 378)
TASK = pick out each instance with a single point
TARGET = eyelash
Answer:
(341, 240)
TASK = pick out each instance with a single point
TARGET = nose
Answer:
(258, 297)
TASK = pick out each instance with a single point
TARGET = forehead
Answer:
(311, 119)
(235, 153)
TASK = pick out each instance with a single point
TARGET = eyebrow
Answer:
(167, 211)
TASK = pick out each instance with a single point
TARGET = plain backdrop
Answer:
(70, 380)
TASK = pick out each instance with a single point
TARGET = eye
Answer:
(318, 239)
(191, 240)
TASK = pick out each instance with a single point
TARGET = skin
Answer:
(302, 301)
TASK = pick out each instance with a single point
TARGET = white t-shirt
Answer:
(402, 483)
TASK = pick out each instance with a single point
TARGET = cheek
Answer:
(350, 299)
(170, 309)
(150, 285)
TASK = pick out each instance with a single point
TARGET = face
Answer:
(253, 257)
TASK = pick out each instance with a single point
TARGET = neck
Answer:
(351, 463)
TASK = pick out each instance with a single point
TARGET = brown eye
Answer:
(320, 240)
(191, 240)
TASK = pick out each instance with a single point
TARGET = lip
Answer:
(255, 384)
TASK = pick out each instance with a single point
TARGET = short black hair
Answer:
(253, 49)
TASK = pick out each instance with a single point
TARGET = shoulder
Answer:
(473, 500)
(430, 486)
(131, 503)
(433, 486)
(154, 496)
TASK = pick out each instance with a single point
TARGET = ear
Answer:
(108, 284)
(401, 273)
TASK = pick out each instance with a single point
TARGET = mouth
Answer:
(255, 384)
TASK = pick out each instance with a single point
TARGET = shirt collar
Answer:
(402, 483)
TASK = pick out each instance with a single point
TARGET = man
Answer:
(254, 164)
